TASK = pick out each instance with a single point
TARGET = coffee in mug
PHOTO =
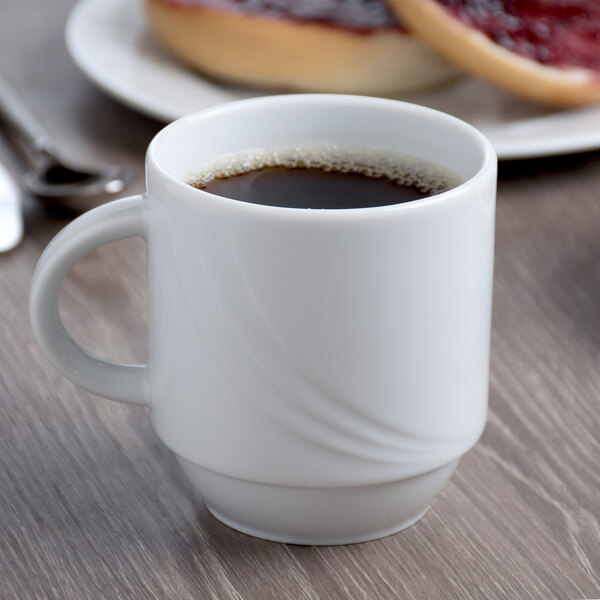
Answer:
(322, 176)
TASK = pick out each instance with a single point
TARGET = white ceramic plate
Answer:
(109, 41)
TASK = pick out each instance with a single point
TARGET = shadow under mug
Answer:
(318, 373)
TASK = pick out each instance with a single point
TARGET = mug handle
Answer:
(107, 223)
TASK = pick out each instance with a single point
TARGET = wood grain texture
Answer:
(93, 506)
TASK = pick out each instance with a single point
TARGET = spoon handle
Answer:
(22, 120)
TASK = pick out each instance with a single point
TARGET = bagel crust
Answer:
(256, 50)
(476, 53)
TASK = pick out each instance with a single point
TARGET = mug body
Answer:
(319, 372)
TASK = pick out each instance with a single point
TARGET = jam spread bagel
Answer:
(354, 46)
(544, 50)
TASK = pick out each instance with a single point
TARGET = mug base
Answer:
(277, 536)
(317, 516)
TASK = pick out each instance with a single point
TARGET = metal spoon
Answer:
(51, 176)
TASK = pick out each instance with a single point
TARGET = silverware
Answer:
(51, 176)
(11, 219)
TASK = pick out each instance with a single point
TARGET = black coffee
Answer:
(312, 188)
(322, 177)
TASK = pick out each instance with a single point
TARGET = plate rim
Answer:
(157, 109)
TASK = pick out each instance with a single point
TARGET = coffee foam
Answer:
(402, 169)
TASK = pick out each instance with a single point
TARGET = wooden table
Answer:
(92, 505)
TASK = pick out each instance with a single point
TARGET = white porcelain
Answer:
(302, 356)
(109, 41)
(318, 515)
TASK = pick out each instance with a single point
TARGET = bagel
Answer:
(545, 51)
(345, 46)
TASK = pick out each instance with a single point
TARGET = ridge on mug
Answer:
(318, 373)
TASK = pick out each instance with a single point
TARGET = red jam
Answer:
(559, 33)
(361, 16)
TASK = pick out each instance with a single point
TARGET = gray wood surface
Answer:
(93, 506)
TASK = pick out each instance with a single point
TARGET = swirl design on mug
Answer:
(246, 344)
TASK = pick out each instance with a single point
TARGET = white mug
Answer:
(318, 373)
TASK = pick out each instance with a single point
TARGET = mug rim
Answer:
(488, 155)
